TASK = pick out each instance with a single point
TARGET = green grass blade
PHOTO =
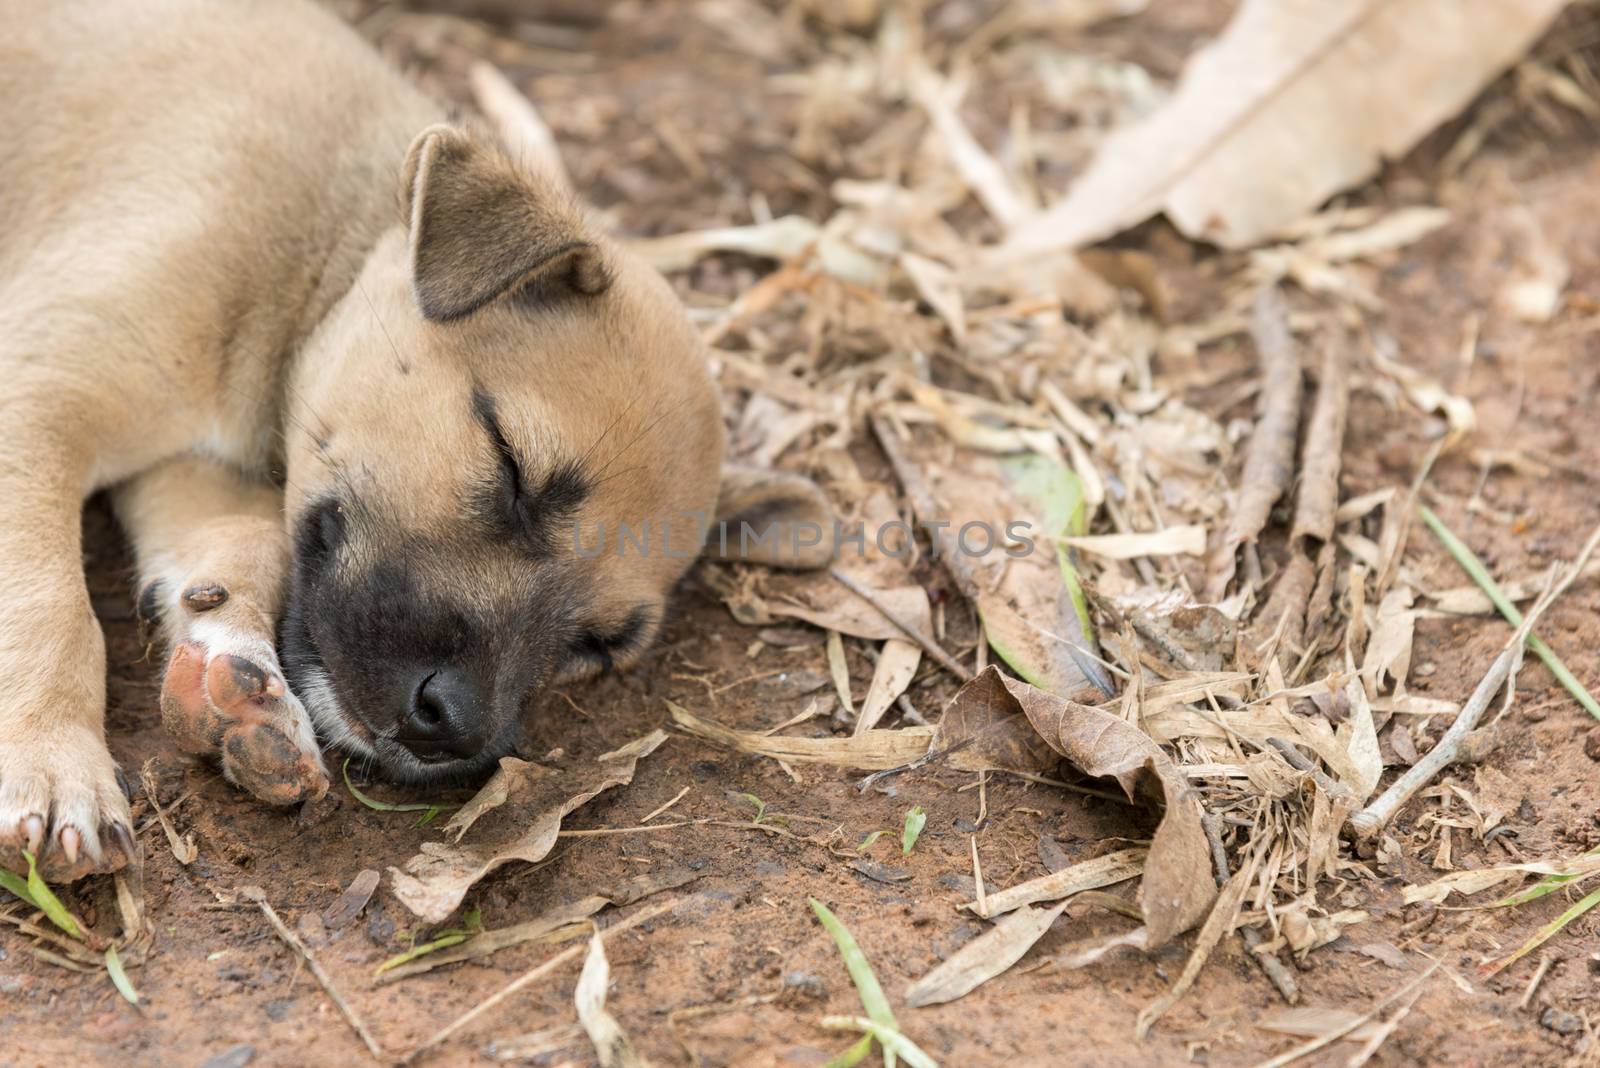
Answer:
(855, 962)
(47, 902)
(1543, 934)
(760, 806)
(916, 819)
(1479, 574)
(431, 808)
(454, 938)
(119, 976)
(866, 843)
(17, 885)
(852, 1056)
(1548, 884)
(890, 1038)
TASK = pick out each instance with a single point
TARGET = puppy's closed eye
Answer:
(321, 533)
(527, 511)
(601, 647)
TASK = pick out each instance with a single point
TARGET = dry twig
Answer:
(256, 894)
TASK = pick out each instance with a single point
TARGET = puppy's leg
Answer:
(59, 792)
(213, 558)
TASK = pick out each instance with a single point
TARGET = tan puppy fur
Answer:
(355, 380)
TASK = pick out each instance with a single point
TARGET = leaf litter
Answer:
(1257, 684)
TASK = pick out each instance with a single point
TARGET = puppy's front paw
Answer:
(60, 800)
(233, 702)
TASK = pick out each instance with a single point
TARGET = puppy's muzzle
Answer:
(447, 719)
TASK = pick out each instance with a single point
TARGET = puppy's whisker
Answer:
(376, 318)
(640, 435)
(595, 445)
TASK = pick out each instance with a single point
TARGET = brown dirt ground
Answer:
(219, 978)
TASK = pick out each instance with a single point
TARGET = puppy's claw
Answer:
(33, 830)
(70, 840)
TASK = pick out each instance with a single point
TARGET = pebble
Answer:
(232, 1057)
(1561, 1021)
(806, 984)
(1591, 744)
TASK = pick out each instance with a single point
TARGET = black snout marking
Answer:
(446, 720)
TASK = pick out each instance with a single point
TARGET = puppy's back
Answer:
(248, 129)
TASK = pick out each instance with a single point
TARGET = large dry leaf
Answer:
(516, 816)
(872, 751)
(1027, 597)
(1296, 100)
(1177, 889)
(984, 957)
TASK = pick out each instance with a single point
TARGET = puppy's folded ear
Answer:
(773, 518)
(481, 228)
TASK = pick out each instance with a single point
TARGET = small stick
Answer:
(1371, 820)
(981, 896)
(1533, 984)
(1270, 965)
(929, 646)
(537, 972)
(666, 806)
(256, 894)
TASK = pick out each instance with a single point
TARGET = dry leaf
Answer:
(982, 728)
(1309, 1022)
(1387, 661)
(516, 816)
(897, 666)
(1090, 874)
(611, 1044)
(522, 130)
(1296, 100)
(872, 751)
(1472, 882)
(1177, 888)
(1089, 951)
(1174, 541)
(1029, 601)
(833, 607)
(1359, 734)
(1533, 292)
(984, 957)
(781, 239)
(348, 905)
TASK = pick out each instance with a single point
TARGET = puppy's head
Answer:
(501, 390)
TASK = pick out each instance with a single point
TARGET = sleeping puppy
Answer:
(356, 382)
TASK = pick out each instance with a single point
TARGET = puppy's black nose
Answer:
(446, 720)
